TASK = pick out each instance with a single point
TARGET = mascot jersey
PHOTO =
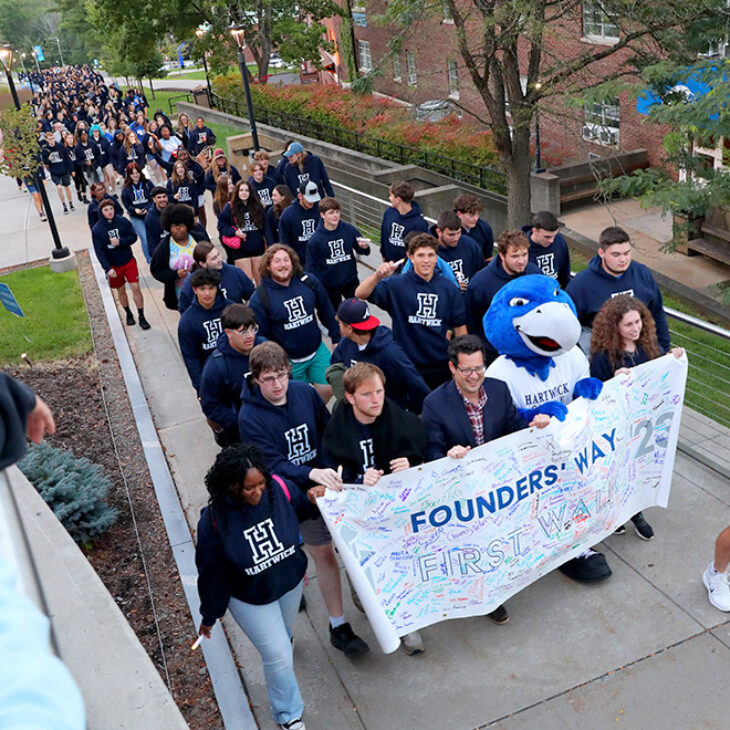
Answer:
(529, 392)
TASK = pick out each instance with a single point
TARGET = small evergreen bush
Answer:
(75, 489)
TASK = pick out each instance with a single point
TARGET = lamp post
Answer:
(237, 32)
(35, 58)
(538, 159)
(200, 33)
(25, 71)
(59, 251)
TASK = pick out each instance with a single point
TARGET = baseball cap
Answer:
(219, 153)
(356, 313)
(310, 192)
(293, 149)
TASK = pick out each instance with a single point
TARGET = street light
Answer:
(538, 160)
(200, 33)
(59, 251)
(237, 31)
(22, 57)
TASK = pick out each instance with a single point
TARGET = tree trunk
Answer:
(519, 167)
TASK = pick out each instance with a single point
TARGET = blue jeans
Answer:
(141, 231)
(269, 629)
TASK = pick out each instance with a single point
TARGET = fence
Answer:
(482, 176)
(707, 345)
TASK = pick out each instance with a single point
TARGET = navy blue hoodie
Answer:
(404, 385)
(57, 159)
(188, 191)
(290, 319)
(264, 189)
(235, 286)
(153, 228)
(228, 225)
(482, 289)
(465, 259)
(552, 260)
(250, 553)
(137, 196)
(113, 242)
(289, 435)
(93, 216)
(314, 170)
(592, 287)
(88, 155)
(331, 254)
(210, 181)
(395, 227)
(221, 382)
(197, 333)
(483, 235)
(296, 227)
(422, 312)
(199, 139)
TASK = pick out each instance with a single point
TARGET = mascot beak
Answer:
(550, 329)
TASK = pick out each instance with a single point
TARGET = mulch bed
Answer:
(81, 392)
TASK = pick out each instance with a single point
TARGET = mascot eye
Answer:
(556, 292)
(518, 302)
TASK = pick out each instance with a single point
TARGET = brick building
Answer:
(429, 67)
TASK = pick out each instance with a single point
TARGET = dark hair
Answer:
(612, 235)
(449, 219)
(265, 264)
(286, 193)
(252, 206)
(403, 190)
(178, 214)
(508, 239)
(230, 468)
(131, 167)
(329, 204)
(465, 345)
(204, 277)
(267, 356)
(237, 315)
(468, 203)
(422, 240)
(606, 338)
(201, 251)
(545, 221)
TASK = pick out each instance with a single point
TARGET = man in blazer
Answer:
(469, 411)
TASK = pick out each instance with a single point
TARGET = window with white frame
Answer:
(363, 55)
(446, 12)
(452, 71)
(596, 24)
(411, 68)
(396, 68)
(523, 86)
(602, 123)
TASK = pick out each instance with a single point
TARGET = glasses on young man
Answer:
(248, 331)
(479, 370)
(276, 377)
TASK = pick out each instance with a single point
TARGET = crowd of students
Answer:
(251, 336)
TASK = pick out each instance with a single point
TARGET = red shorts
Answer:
(127, 272)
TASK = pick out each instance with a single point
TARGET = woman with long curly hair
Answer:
(282, 198)
(624, 335)
(248, 505)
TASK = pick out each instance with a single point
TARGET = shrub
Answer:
(75, 489)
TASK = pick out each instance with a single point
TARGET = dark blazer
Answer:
(447, 422)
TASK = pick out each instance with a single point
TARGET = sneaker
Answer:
(143, 323)
(620, 530)
(71, 206)
(43, 217)
(642, 527)
(718, 590)
(590, 567)
(130, 319)
(499, 615)
(65, 210)
(345, 639)
(296, 724)
(413, 643)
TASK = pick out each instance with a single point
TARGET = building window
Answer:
(596, 24)
(411, 68)
(452, 71)
(359, 16)
(446, 12)
(396, 68)
(602, 123)
(523, 86)
(363, 55)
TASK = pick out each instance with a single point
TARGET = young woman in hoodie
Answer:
(137, 200)
(105, 161)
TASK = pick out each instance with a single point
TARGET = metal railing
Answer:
(482, 176)
(707, 345)
(173, 100)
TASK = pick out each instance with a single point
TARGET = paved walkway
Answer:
(645, 649)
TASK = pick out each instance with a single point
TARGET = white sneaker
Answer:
(413, 643)
(718, 590)
(296, 724)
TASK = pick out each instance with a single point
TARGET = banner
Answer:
(457, 537)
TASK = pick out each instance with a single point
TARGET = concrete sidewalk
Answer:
(644, 649)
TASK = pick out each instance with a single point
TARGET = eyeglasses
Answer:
(248, 331)
(471, 371)
(271, 379)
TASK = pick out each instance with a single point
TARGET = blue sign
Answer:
(38, 51)
(360, 19)
(690, 89)
(8, 300)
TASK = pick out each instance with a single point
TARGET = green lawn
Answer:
(56, 324)
(708, 380)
